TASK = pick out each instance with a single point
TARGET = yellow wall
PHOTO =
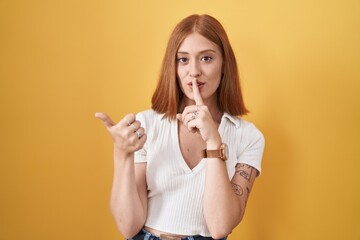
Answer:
(60, 61)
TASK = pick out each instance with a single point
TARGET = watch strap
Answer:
(216, 153)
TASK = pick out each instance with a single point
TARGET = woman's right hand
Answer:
(128, 135)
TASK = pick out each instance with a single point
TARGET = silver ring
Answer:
(194, 114)
(135, 129)
(139, 134)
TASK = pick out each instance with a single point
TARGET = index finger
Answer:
(196, 91)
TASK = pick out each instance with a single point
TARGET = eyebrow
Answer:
(203, 51)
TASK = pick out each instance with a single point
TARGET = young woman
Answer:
(185, 168)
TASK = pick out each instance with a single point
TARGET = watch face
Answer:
(222, 153)
(225, 151)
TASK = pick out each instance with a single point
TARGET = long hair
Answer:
(168, 95)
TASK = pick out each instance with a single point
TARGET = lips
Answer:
(200, 84)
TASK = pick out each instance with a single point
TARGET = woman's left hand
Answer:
(197, 118)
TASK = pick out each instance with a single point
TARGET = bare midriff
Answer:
(162, 234)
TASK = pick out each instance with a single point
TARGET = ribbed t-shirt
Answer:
(175, 192)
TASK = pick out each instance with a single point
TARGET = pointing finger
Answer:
(105, 118)
(196, 91)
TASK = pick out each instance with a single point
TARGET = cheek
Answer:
(218, 72)
(180, 73)
(180, 77)
(215, 75)
(180, 82)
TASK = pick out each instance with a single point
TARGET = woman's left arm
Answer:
(224, 200)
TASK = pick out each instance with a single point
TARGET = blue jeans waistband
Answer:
(145, 235)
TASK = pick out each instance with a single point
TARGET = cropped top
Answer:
(175, 192)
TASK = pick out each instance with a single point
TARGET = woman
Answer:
(185, 168)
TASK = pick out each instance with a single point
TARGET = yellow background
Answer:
(61, 61)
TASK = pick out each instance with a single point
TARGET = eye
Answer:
(182, 60)
(206, 58)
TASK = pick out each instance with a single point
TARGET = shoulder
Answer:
(250, 130)
(248, 141)
(149, 115)
(241, 125)
(244, 130)
(149, 118)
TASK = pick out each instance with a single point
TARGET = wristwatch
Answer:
(222, 152)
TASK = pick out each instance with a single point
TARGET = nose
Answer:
(194, 70)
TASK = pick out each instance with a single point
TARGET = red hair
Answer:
(168, 95)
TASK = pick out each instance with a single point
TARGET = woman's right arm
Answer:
(129, 193)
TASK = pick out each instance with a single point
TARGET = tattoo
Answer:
(239, 170)
(248, 191)
(237, 189)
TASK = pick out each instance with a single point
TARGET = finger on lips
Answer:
(197, 97)
(193, 109)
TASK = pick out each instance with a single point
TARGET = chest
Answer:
(174, 157)
(191, 145)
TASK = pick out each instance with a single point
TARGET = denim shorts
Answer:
(145, 235)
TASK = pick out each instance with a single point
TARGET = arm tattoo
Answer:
(245, 174)
(248, 191)
(237, 189)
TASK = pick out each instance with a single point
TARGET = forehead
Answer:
(195, 42)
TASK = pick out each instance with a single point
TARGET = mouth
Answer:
(199, 84)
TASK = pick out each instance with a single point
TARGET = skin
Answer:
(128, 201)
(199, 62)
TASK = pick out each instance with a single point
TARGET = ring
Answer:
(139, 134)
(135, 129)
(194, 114)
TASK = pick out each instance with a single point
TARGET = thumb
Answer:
(105, 118)
(179, 117)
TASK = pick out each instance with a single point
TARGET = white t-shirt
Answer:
(175, 192)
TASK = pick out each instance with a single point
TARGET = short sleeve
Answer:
(253, 148)
(140, 155)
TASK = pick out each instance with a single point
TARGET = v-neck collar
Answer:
(180, 157)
